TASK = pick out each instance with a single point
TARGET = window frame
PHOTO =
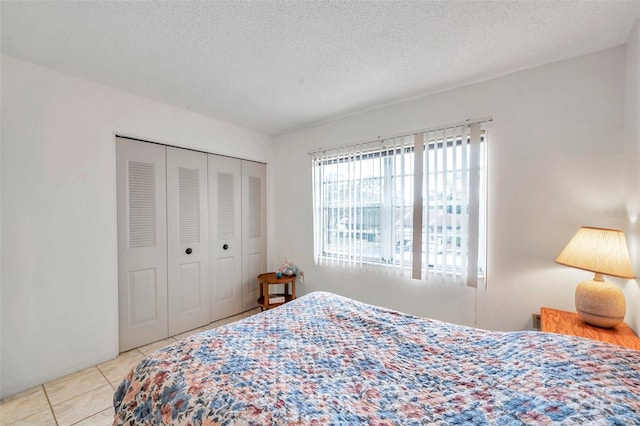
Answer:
(388, 234)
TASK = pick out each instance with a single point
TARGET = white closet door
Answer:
(225, 242)
(187, 227)
(254, 230)
(142, 243)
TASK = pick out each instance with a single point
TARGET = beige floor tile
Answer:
(42, 418)
(147, 349)
(188, 333)
(103, 418)
(118, 368)
(74, 385)
(84, 406)
(23, 405)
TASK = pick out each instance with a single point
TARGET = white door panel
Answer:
(142, 243)
(187, 228)
(254, 230)
(142, 287)
(225, 244)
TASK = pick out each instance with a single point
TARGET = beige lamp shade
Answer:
(599, 250)
(604, 252)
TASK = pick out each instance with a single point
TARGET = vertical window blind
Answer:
(411, 205)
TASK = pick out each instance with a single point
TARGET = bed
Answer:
(326, 359)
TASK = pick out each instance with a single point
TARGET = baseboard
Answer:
(5, 392)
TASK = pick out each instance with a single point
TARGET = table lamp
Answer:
(603, 252)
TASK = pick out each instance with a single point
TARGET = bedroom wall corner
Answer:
(632, 147)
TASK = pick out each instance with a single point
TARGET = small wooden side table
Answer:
(265, 280)
(563, 322)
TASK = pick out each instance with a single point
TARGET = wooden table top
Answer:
(270, 278)
(563, 322)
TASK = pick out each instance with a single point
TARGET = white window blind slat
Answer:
(474, 205)
(418, 153)
(437, 243)
(464, 208)
(456, 211)
(447, 202)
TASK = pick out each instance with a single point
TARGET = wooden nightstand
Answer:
(266, 299)
(563, 322)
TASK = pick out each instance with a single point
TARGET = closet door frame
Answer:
(158, 284)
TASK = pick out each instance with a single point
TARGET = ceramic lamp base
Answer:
(600, 303)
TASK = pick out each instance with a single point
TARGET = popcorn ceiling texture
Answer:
(279, 66)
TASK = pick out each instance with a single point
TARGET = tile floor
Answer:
(84, 398)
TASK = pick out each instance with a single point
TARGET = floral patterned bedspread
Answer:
(326, 359)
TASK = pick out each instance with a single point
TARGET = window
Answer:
(411, 205)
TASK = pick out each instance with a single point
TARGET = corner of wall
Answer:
(632, 146)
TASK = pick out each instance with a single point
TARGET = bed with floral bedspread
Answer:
(326, 359)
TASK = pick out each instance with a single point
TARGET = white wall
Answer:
(556, 146)
(632, 139)
(59, 256)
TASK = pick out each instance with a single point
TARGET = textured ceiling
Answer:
(279, 66)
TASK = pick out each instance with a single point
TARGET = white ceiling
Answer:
(276, 66)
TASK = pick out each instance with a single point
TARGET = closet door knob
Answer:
(189, 251)
(226, 246)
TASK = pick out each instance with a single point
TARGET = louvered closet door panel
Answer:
(187, 226)
(225, 243)
(142, 243)
(254, 230)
